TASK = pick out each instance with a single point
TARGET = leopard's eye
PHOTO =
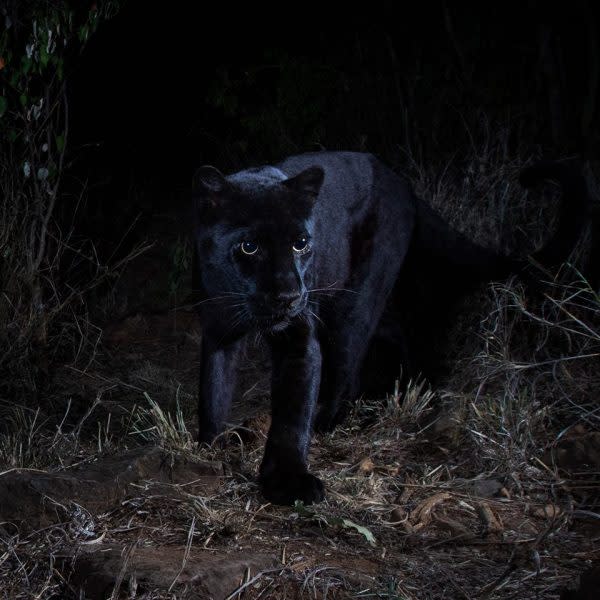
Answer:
(301, 245)
(249, 247)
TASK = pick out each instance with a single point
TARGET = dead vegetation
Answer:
(484, 488)
(487, 487)
(408, 515)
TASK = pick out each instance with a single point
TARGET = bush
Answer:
(38, 304)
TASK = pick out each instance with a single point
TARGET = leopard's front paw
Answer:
(284, 487)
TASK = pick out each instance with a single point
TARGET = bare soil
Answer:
(405, 516)
(123, 504)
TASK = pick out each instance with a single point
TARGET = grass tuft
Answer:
(159, 427)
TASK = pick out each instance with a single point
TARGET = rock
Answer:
(484, 488)
(201, 575)
(34, 499)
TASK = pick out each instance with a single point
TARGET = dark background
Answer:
(159, 92)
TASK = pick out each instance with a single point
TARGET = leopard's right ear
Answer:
(209, 184)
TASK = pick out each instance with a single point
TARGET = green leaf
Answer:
(301, 509)
(3, 105)
(305, 512)
(26, 63)
(23, 100)
(44, 56)
(348, 524)
(83, 33)
(60, 142)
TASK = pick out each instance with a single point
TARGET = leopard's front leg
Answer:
(284, 475)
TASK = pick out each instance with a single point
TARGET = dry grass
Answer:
(537, 370)
(479, 193)
(417, 502)
(432, 534)
(461, 492)
(155, 426)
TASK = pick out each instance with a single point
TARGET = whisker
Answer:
(238, 318)
(317, 317)
(329, 308)
(332, 289)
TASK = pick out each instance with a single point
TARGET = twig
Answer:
(239, 590)
(186, 554)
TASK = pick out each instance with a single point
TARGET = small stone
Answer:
(485, 488)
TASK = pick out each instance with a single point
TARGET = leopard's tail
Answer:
(574, 213)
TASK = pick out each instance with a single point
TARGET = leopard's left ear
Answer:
(308, 182)
(208, 179)
(209, 187)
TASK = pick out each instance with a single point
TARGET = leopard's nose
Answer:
(289, 300)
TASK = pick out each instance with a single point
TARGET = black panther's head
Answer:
(254, 242)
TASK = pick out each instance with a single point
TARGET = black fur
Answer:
(317, 254)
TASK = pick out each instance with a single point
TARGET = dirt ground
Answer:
(136, 510)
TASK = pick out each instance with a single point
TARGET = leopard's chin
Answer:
(279, 325)
(277, 322)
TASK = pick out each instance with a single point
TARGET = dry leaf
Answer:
(421, 515)
(550, 511)
(456, 529)
(490, 522)
(366, 466)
